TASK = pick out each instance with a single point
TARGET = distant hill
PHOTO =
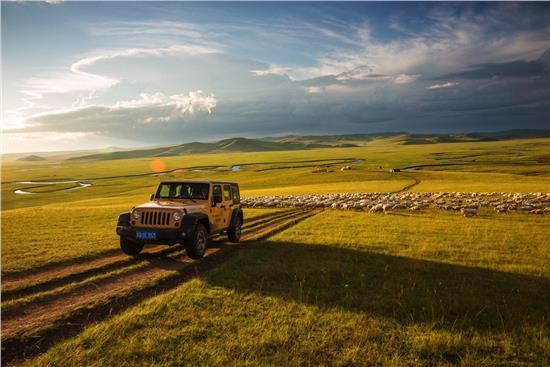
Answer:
(32, 158)
(333, 140)
(226, 145)
(411, 139)
(299, 142)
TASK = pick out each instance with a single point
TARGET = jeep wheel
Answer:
(234, 233)
(197, 245)
(129, 247)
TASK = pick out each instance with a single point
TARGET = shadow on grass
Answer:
(407, 290)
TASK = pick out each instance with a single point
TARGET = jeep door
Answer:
(227, 205)
(217, 209)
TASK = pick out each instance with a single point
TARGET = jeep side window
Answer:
(236, 196)
(216, 191)
(226, 193)
(164, 191)
(178, 192)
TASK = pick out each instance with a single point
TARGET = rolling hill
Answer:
(32, 158)
(411, 139)
(226, 145)
(299, 142)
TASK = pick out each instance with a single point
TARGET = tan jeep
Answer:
(184, 212)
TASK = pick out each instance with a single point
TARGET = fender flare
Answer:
(123, 220)
(191, 220)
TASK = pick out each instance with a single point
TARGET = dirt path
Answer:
(34, 327)
(74, 272)
(409, 186)
(22, 282)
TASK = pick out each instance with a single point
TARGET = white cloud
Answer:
(404, 78)
(145, 28)
(313, 90)
(443, 85)
(271, 70)
(80, 80)
(150, 108)
(193, 102)
(450, 43)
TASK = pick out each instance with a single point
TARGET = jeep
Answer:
(183, 212)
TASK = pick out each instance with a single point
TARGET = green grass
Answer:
(341, 288)
(511, 242)
(40, 235)
(512, 165)
(349, 288)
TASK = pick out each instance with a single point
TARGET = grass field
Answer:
(338, 288)
(511, 166)
(439, 293)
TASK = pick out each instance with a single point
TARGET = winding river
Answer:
(24, 191)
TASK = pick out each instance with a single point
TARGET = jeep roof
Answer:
(200, 181)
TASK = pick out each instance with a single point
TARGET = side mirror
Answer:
(216, 199)
(152, 197)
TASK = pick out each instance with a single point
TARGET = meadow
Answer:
(346, 288)
(337, 288)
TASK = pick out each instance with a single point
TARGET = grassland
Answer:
(60, 232)
(512, 166)
(340, 288)
(346, 288)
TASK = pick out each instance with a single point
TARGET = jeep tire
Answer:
(234, 232)
(130, 247)
(196, 246)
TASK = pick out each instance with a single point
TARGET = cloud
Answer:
(80, 79)
(181, 103)
(404, 79)
(443, 85)
(145, 28)
(447, 41)
(327, 76)
(314, 90)
(513, 69)
(150, 108)
(271, 70)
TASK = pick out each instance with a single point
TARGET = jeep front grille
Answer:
(155, 218)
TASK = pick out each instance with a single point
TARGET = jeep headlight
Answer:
(136, 214)
(177, 216)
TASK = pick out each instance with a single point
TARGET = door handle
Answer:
(222, 206)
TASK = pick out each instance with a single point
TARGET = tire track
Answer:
(126, 262)
(50, 276)
(32, 329)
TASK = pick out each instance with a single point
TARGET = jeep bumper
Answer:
(162, 236)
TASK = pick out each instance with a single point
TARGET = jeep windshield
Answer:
(183, 190)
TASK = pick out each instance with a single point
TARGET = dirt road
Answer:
(44, 306)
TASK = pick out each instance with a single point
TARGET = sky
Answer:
(91, 75)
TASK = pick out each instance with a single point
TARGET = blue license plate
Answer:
(146, 235)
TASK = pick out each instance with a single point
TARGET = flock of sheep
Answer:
(466, 202)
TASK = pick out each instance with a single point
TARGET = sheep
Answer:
(533, 203)
(468, 212)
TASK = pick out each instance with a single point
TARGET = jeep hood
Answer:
(168, 204)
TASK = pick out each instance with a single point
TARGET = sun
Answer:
(157, 165)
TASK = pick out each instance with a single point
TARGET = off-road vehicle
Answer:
(185, 212)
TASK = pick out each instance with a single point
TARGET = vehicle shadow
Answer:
(407, 290)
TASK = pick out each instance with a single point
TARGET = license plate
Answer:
(146, 235)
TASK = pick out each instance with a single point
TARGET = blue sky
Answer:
(90, 75)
